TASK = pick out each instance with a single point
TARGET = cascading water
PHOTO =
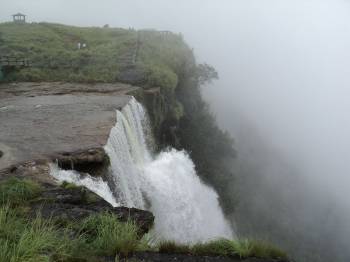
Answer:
(96, 185)
(185, 209)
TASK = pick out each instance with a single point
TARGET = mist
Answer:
(283, 94)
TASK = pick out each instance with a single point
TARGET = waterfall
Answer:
(185, 209)
(96, 185)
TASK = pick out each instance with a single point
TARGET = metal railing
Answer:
(14, 61)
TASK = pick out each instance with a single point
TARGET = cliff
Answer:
(68, 122)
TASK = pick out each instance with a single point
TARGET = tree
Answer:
(206, 73)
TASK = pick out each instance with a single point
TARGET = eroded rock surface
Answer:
(94, 161)
(76, 203)
(39, 120)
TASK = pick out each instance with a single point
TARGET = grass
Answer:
(67, 185)
(173, 247)
(42, 240)
(18, 191)
(108, 236)
(220, 247)
(52, 48)
(23, 239)
(229, 248)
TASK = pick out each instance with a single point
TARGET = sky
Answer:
(284, 67)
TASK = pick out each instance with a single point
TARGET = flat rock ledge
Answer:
(41, 119)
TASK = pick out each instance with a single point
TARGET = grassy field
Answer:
(53, 51)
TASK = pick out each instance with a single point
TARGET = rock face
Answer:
(93, 161)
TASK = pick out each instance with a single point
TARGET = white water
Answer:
(96, 185)
(185, 209)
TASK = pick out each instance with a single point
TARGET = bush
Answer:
(161, 76)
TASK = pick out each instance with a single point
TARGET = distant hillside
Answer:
(148, 57)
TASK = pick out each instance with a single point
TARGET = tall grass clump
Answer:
(17, 191)
(173, 247)
(108, 236)
(223, 247)
(263, 249)
(36, 240)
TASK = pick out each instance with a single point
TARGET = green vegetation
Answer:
(42, 240)
(172, 247)
(21, 240)
(108, 236)
(180, 118)
(37, 239)
(53, 51)
(67, 185)
(17, 191)
(211, 149)
(223, 247)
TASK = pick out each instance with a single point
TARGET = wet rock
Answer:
(94, 161)
(68, 202)
(76, 203)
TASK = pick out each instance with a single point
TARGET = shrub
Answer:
(161, 76)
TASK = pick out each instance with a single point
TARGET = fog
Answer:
(283, 92)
